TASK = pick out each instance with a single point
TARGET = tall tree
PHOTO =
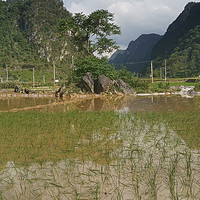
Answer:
(92, 33)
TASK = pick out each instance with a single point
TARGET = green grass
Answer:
(173, 84)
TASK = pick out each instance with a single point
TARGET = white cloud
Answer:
(135, 17)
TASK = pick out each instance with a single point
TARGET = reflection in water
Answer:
(154, 103)
(7, 104)
(135, 104)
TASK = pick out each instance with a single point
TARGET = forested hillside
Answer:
(181, 44)
(29, 35)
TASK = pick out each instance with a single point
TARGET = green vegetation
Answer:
(184, 60)
(56, 135)
(182, 52)
(30, 36)
(42, 34)
(197, 86)
(96, 66)
(90, 33)
(43, 137)
(185, 125)
(102, 154)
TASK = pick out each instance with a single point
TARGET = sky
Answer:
(135, 17)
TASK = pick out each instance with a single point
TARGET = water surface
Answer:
(152, 103)
(55, 154)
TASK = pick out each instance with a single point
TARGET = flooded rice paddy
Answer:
(131, 148)
(135, 104)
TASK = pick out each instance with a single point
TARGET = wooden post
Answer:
(33, 77)
(152, 71)
(54, 73)
(165, 69)
(160, 73)
(43, 79)
(72, 63)
(7, 73)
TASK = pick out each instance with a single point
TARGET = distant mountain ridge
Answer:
(187, 20)
(137, 51)
(116, 54)
(180, 45)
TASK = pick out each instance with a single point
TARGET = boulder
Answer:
(126, 88)
(87, 83)
(61, 91)
(27, 91)
(17, 89)
(102, 84)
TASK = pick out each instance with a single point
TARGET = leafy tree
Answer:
(91, 33)
(125, 75)
(97, 66)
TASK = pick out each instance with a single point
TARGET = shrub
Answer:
(197, 87)
(7, 85)
(164, 86)
(96, 66)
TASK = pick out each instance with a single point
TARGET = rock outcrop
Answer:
(126, 88)
(102, 84)
(87, 83)
(61, 91)
(27, 91)
(17, 89)
(177, 31)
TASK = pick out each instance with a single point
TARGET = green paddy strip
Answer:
(28, 137)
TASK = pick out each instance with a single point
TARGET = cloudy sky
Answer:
(135, 17)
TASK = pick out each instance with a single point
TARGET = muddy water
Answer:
(152, 104)
(7, 104)
(142, 160)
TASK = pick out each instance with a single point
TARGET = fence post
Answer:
(165, 69)
(152, 71)
(160, 72)
(54, 72)
(7, 73)
(33, 77)
(43, 79)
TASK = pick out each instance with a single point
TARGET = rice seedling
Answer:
(99, 155)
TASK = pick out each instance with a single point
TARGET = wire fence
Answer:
(31, 77)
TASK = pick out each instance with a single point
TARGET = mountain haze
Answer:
(137, 51)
